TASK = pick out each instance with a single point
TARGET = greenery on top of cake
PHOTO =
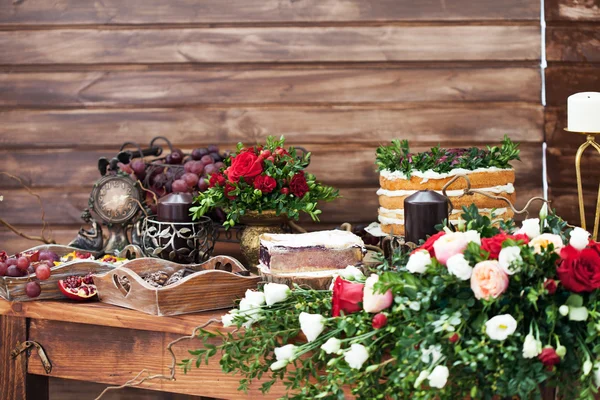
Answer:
(397, 157)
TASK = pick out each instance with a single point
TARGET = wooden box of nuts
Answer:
(161, 287)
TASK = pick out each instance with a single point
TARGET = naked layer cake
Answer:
(402, 173)
(310, 252)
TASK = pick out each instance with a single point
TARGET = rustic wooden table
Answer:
(100, 343)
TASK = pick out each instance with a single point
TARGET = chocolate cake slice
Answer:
(308, 252)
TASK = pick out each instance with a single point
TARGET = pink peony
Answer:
(375, 302)
(449, 245)
(488, 280)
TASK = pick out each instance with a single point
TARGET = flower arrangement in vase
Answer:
(483, 311)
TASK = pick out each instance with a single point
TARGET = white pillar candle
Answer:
(583, 112)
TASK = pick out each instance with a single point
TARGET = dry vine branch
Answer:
(171, 377)
(42, 238)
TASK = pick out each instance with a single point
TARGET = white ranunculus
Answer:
(352, 273)
(531, 346)
(578, 313)
(418, 262)
(356, 356)
(579, 238)
(227, 320)
(500, 327)
(459, 267)
(276, 293)
(421, 378)
(508, 256)
(530, 227)
(544, 241)
(473, 236)
(331, 346)
(587, 366)
(597, 375)
(439, 376)
(278, 365)
(311, 325)
(563, 310)
(255, 297)
(285, 353)
(432, 354)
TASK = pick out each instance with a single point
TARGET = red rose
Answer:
(285, 191)
(428, 245)
(548, 357)
(379, 321)
(493, 245)
(520, 237)
(229, 188)
(265, 183)
(346, 296)
(551, 286)
(454, 338)
(246, 165)
(579, 271)
(216, 179)
(298, 185)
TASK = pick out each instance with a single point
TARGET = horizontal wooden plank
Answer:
(561, 174)
(563, 81)
(565, 200)
(436, 123)
(571, 10)
(573, 44)
(109, 12)
(267, 85)
(125, 353)
(275, 44)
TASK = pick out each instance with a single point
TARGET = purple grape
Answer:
(14, 271)
(49, 255)
(187, 167)
(190, 179)
(138, 167)
(30, 270)
(197, 168)
(215, 156)
(213, 148)
(197, 154)
(210, 169)
(202, 184)
(11, 261)
(174, 158)
(33, 289)
(207, 159)
(179, 186)
(3, 268)
(220, 165)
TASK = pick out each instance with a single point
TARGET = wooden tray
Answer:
(215, 286)
(13, 289)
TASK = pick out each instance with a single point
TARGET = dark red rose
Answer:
(493, 245)
(246, 165)
(428, 245)
(265, 183)
(454, 338)
(216, 179)
(548, 357)
(594, 245)
(379, 321)
(346, 297)
(519, 237)
(551, 286)
(229, 188)
(579, 271)
(298, 185)
(285, 191)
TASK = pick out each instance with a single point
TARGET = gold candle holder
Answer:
(590, 141)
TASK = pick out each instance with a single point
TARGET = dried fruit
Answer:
(78, 288)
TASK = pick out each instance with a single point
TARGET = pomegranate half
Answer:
(78, 288)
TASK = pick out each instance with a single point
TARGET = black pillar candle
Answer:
(422, 212)
(175, 207)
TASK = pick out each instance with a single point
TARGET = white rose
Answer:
(459, 267)
(500, 327)
(530, 227)
(285, 353)
(356, 356)
(439, 376)
(421, 378)
(352, 273)
(579, 238)
(597, 375)
(331, 346)
(432, 354)
(276, 293)
(531, 346)
(544, 240)
(255, 297)
(508, 256)
(311, 325)
(227, 320)
(578, 313)
(473, 236)
(418, 262)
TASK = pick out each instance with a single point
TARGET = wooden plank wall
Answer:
(573, 54)
(340, 77)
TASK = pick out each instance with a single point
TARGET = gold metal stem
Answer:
(589, 142)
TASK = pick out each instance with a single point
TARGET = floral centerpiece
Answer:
(482, 311)
(260, 178)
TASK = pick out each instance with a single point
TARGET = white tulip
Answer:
(473, 236)
(459, 266)
(331, 346)
(421, 378)
(531, 346)
(285, 353)
(563, 310)
(311, 325)
(418, 262)
(352, 273)
(356, 356)
(276, 293)
(500, 327)
(579, 238)
(255, 297)
(530, 227)
(508, 256)
(578, 313)
(439, 376)
(432, 354)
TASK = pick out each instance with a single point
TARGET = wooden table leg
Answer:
(15, 383)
